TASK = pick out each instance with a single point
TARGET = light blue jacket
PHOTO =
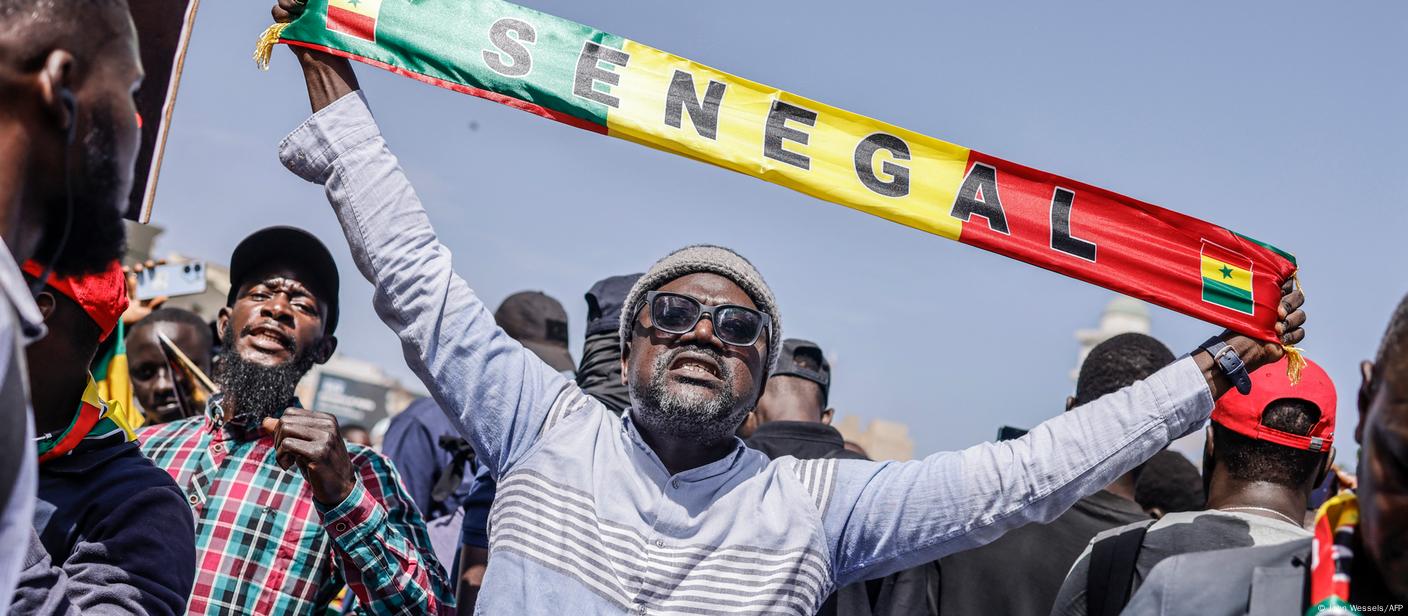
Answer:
(588, 520)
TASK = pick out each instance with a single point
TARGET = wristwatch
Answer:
(1229, 363)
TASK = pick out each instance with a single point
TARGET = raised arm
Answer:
(885, 517)
(496, 392)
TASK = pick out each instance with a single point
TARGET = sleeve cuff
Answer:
(312, 148)
(1186, 389)
(354, 518)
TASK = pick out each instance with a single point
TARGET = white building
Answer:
(1123, 315)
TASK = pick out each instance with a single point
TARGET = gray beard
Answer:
(698, 416)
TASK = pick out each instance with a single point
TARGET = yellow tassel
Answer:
(1295, 362)
(1295, 358)
(264, 49)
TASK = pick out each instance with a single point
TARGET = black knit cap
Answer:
(295, 248)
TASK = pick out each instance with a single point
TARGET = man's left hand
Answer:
(311, 441)
(1290, 323)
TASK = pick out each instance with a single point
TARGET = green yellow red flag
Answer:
(355, 18)
(1227, 279)
(615, 86)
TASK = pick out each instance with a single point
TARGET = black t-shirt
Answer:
(804, 440)
(1028, 564)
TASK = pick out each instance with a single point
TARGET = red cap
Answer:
(1242, 414)
(103, 296)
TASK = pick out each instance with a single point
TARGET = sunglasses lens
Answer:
(737, 326)
(674, 314)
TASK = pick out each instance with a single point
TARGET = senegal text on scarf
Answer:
(611, 85)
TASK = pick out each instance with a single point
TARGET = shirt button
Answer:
(340, 526)
(217, 448)
(675, 484)
(659, 543)
(193, 499)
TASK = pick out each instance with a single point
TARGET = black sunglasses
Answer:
(679, 314)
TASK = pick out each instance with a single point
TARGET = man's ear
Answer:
(827, 415)
(324, 350)
(56, 85)
(625, 355)
(46, 303)
(222, 320)
(1327, 466)
(1070, 402)
(1366, 397)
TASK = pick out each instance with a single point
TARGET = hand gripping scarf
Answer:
(607, 84)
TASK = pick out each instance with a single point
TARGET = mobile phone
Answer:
(171, 279)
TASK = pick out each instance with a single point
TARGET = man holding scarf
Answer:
(116, 532)
(585, 497)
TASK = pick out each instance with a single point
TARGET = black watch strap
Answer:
(1230, 363)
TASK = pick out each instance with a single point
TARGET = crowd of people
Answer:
(686, 463)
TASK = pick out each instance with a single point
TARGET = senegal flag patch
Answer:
(1227, 279)
(354, 18)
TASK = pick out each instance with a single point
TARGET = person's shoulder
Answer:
(1150, 524)
(361, 455)
(126, 476)
(818, 475)
(154, 434)
(131, 463)
(422, 412)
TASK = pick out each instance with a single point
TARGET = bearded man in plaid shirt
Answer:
(287, 512)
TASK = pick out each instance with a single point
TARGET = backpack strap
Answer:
(1111, 573)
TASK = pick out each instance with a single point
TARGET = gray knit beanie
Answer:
(706, 258)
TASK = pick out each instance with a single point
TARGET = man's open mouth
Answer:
(269, 338)
(695, 365)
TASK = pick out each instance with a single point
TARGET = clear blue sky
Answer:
(1281, 121)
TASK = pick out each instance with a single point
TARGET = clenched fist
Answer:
(311, 441)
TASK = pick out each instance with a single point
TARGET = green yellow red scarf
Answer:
(97, 423)
(1332, 556)
(612, 85)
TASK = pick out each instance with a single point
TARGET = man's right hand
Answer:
(328, 77)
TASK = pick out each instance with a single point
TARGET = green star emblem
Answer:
(1226, 271)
